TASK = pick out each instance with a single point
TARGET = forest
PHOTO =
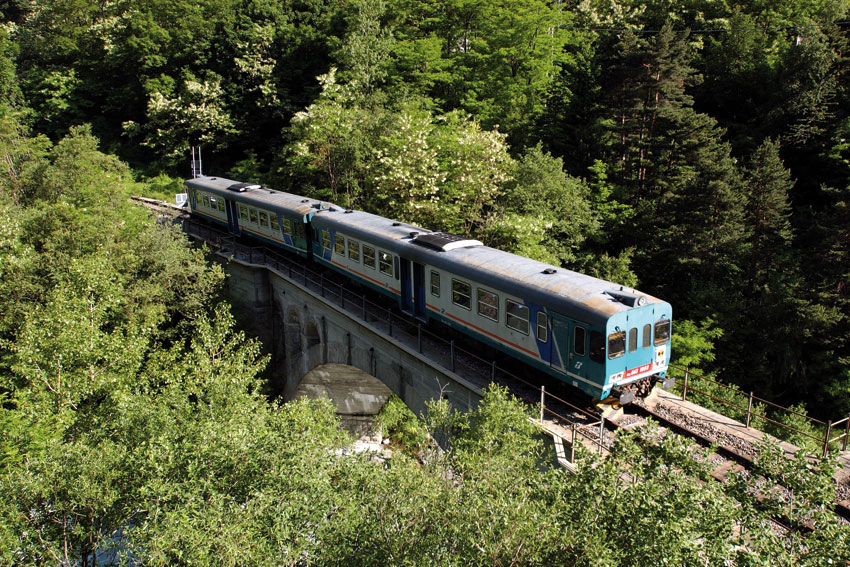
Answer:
(697, 150)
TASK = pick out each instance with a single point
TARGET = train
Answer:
(595, 335)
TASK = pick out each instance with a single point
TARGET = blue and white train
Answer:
(588, 332)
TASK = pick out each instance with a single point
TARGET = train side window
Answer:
(298, 229)
(243, 212)
(461, 294)
(488, 304)
(385, 262)
(662, 332)
(633, 339)
(435, 284)
(647, 335)
(616, 344)
(221, 205)
(369, 256)
(516, 316)
(354, 250)
(597, 346)
(213, 203)
(206, 200)
(326, 239)
(339, 244)
(253, 212)
(287, 227)
(264, 219)
(274, 223)
(542, 327)
(579, 338)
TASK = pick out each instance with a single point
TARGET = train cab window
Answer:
(647, 336)
(435, 284)
(369, 256)
(339, 244)
(579, 339)
(354, 251)
(264, 219)
(597, 346)
(633, 339)
(662, 332)
(326, 239)
(516, 316)
(616, 344)
(542, 327)
(461, 294)
(243, 212)
(488, 304)
(274, 224)
(385, 262)
(287, 227)
(253, 215)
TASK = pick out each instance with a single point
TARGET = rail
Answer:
(749, 413)
(446, 353)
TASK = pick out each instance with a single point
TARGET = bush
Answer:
(401, 425)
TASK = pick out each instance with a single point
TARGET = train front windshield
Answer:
(662, 332)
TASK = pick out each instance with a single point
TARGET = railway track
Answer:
(159, 206)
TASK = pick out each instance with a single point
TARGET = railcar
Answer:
(278, 218)
(585, 331)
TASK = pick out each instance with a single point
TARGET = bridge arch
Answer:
(353, 391)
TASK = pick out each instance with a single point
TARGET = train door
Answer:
(578, 349)
(406, 287)
(419, 290)
(561, 338)
(571, 341)
(232, 216)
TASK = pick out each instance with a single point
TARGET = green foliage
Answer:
(162, 187)
(796, 428)
(401, 425)
(694, 344)
(443, 172)
(811, 492)
(195, 116)
(332, 142)
(365, 51)
(543, 213)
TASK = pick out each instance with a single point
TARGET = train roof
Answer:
(255, 194)
(581, 296)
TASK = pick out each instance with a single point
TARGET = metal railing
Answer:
(445, 352)
(824, 441)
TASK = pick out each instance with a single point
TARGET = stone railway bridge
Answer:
(306, 322)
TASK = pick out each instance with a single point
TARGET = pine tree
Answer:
(765, 355)
(670, 163)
